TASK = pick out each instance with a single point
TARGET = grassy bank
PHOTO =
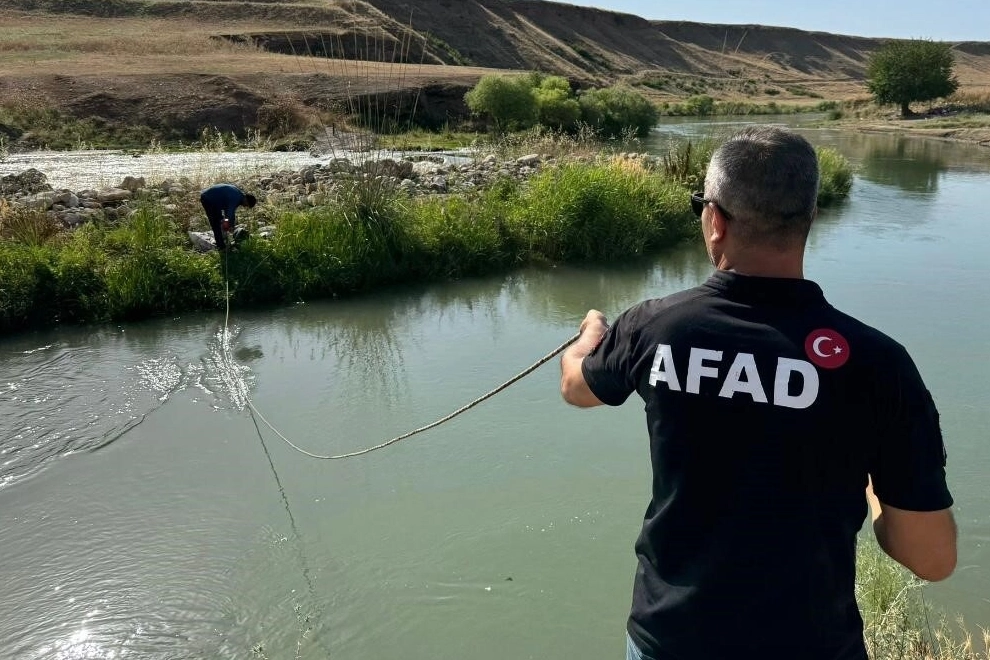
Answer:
(706, 106)
(367, 236)
(899, 624)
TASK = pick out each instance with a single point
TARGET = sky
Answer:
(942, 20)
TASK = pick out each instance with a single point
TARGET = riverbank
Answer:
(964, 117)
(898, 623)
(977, 132)
(125, 253)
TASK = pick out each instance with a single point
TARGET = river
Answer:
(146, 514)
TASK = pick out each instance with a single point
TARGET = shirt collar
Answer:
(766, 290)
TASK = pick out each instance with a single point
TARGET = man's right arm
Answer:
(573, 387)
(908, 495)
(924, 542)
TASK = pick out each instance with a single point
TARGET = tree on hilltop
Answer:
(904, 71)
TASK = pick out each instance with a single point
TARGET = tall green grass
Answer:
(367, 236)
(600, 213)
(898, 623)
(836, 176)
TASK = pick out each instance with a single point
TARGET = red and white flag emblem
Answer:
(827, 348)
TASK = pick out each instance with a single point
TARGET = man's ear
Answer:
(718, 224)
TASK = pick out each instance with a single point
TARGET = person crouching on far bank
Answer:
(220, 203)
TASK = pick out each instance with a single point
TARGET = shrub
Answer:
(507, 100)
(701, 105)
(599, 212)
(615, 110)
(281, 117)
(27, 286)
(835, 176)
(556, 105)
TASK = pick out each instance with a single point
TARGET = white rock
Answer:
(202, 240)
(114, 195)
(426, 168)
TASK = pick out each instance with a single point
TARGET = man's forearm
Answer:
(572, 384)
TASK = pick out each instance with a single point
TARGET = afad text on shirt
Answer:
(741, 376)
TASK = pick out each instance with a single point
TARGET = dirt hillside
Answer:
(184, 64)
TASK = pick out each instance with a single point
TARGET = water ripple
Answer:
(58, 399)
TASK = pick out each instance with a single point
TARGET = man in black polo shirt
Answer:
(769, 411)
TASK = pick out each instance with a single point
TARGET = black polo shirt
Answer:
(766, 408)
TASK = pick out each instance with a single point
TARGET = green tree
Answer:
(904, 71)
(508, 101)
(613, 110)
(556, 105)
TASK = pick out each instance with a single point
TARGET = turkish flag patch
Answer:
(827, 348)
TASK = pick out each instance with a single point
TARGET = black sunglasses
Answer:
(698, 202)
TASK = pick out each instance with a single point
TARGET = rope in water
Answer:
(336, 457)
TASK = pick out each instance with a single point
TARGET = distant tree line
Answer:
(518, 102)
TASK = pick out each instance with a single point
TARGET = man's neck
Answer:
(765, 264)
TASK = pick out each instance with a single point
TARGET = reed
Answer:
(899, 624)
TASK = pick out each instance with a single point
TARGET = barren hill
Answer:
(189, 63)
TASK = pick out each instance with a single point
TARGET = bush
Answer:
(615, 110)
(456, 237)
(508, 101)
(27, 287)
(701, 106)
(835, 176)
(599, 212)
(556, 106)
(281, 117)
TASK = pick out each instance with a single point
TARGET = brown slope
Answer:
(598, 44)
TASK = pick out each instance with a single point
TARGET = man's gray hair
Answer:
(766, 179)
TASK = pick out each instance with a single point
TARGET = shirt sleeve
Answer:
(608, 368)
(908, 469)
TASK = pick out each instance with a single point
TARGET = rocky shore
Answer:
(313, 185)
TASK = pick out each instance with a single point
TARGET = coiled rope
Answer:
(336, 457)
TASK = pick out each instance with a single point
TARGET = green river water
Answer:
(144, 515)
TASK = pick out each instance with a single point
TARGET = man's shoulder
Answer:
(683, 300)
(869, 342)
(667, 308)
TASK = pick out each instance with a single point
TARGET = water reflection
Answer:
(912, 165)
(609, 289)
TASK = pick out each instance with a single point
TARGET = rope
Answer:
(303, 563)
(361, 452)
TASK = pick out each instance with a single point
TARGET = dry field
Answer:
(163, 62)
